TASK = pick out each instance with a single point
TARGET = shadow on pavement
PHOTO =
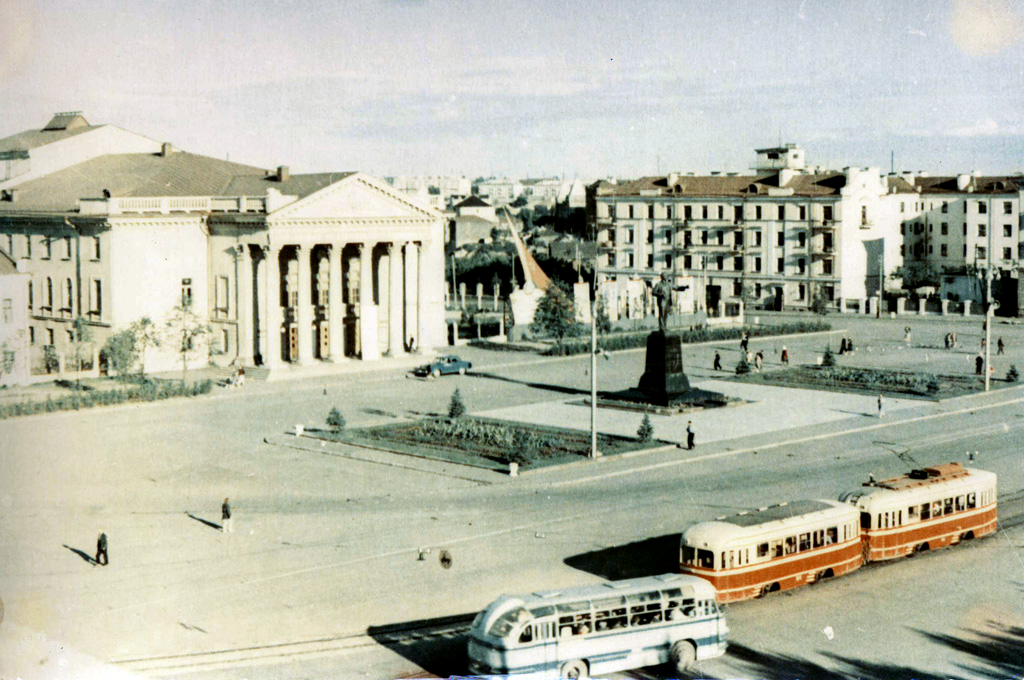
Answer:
(81, 553)
(561, 389)
(438, 645)
(205, 521)
(649, 557)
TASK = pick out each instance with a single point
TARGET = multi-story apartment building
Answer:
(498, 191)
(772, 239)
(957, 225)
(14, 345)
(437, 191)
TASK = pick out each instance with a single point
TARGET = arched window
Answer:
(68, 294)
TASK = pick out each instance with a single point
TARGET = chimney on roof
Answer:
(166, 149)
(962, 181)
(282, 173)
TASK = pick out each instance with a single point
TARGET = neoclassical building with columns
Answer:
(288, 270)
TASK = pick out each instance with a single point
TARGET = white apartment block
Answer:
(499, 191)
(958, 224)
(774, 238)
(437, 191)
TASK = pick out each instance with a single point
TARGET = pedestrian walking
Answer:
(953, 339)
(842, 346)
(906, 335)
(758, 361)
(745, 342)
(101, 550)
(785, 355)
(979, 364)
(849, 345)
(225, 517)
(947, 340)
(718, 361)
(689, 435)
(881, 406)
(1000, 346)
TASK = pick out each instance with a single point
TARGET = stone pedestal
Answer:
(921, 302)
(901, 305)
(945, 308)
(967, 307)
(663, 377)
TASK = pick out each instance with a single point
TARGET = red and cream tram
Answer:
(773, 548)
(924, 509)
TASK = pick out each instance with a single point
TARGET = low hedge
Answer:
(150, 391)
(613, 343)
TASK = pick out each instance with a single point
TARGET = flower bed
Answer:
(151, 391)
(869, 381)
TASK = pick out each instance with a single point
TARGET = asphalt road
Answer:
(327, 546)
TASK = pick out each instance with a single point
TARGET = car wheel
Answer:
(573, 669)
(683, 654)
(462, 370)
(436, 372)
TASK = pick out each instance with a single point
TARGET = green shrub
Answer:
(335, 420)
(456, 407)
(829, 359)
(742, 367)
(1013, 375)
(646, 431)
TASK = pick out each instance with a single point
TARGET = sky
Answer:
(585, 89)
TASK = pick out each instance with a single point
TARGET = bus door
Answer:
(547, 643)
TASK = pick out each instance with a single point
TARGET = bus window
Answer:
(831, 535)
(503, 626)
(777, 548)
(805, 542)
(959, 503)
(791, 545)
(947, 506)
(526, 635)
(706, 559)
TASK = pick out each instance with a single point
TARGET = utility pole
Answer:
(881, 280)
(988, 298)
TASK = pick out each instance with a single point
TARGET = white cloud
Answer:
(985, 128)
(982, 28)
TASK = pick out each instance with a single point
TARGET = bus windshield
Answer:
(507, 621)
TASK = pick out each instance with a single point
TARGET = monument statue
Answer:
(663, 294)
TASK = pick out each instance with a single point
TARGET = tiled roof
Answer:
(473, 202)
(295, 185)
(976, 185)
(134, 174)
(30, 139)
(802, 184)
(899, 185)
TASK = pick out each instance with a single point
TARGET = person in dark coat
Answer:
(979, 364)
(225, 517)
(689, 434)
(1000, 346)
(101, 550)
(718, 361)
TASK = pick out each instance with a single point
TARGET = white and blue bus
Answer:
(609, 627)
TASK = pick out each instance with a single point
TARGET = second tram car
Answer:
(924, 509)
(773, 548)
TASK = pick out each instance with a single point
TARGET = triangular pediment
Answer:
(357, 196)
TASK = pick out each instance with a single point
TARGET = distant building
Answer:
(499, 191)
(14, 327)
(950, 222)
(774, 239)
(437, 191)
(68, 139)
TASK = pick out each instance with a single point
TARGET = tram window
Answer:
(947, 506)
(706, 559)
(731, 559)
(959, 503)
(777, 548)
(526, 635)
(865, 520)
(762, 550)
(831, 535)
(819, 538)
(937, 509)
(791, 545)
(911, 511)
(926, 511)
(972, 500)
(805, 541)
(689, 555)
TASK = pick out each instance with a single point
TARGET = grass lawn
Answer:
(484, 442)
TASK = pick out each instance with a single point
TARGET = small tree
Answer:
(186, 328)
(646, 431)
(604, 322)
(335, 420)
(829, 359)
(1013, 375)
(82, 337)
(121, 353)
(556, 313)
(146, 335)
(456, 408)
(820, 303)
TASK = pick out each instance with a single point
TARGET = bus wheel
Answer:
(573, 669)
(683, 654)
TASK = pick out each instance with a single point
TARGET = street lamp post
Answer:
(988, 298)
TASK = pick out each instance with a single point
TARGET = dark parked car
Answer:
(443, 366)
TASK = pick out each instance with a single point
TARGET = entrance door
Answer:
(713, 297)
(292, 346)
(324, 339)
(779, 297)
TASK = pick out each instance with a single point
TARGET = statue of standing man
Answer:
(663, 294)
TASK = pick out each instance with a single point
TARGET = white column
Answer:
(335, 308)
(274, 313)
(304, 313)
(367, 310)
(395, 297)
(411, 262)
(422, 333)
(244, 311)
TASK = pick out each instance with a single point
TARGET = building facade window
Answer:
(96, 298)
(186, 292)
(781, 239)
(945, 207)
(801, 291)
(31, 295)
(1007, 253)
(96, 248)
(782, 212)
(737, 264)
(7, 311)
(981, 230)
(826, 266)
(31, 335)
(801, 239)
(827, 213)
(982, 208)
(737, 288)
(47, 248)
(757, 264)
(48, 295)
(1008, 230)
(757, 212)
(68, 296)
(66, 254)
(28, 246)
(780, 266)
(1007, 208)
(945, 229)
(943, 250)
